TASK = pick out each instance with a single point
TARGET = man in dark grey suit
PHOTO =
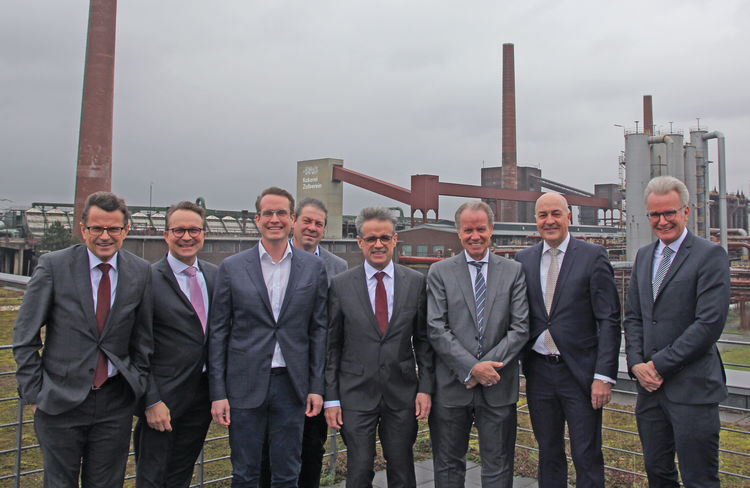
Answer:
(94, 301)
(175, 413)
(571, 361)
(379, 371)
(267, 335)
(677, 304)
(307, 232)
(478, 322)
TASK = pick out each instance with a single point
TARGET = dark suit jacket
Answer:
(180, 346)
(334, 264)
(584, 319)
(59, 297)
(678, 331)
(365, 366)
(243, 332)
(452, 327)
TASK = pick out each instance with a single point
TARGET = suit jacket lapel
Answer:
(256, 278)
(166, 271)
(646, 271)
(463, 278)
(568, 264)
(294, 271)
(534, 285)
(400, 291)
(79, 270)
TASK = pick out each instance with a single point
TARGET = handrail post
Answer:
(19, 441)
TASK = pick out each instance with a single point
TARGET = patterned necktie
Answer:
(103, 297)
(196, 295)
(549, 292)
(661, 271)
(480, 298)
(381, 303)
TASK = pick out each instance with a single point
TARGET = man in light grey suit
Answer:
(94, 301)
(307, 232)
(267, 336)
(175, 413)
(677, 304)
(478, 322)
(379, 371)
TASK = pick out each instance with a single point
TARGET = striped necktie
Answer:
(661, 271)
(480, 298)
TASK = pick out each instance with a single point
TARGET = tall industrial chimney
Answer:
(648, 115)
(94, 170)
(509, 212)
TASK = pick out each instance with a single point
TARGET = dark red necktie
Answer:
(103, 297)
(381, 303)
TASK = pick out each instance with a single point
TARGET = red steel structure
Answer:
(94, 169)
(426, 190)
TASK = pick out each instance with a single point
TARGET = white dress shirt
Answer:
(675, 246)
(276, 276)
(96, 277)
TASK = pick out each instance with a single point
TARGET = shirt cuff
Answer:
(604, 378)
(331, 403)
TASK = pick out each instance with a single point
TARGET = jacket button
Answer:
(91, 370)
(653, 322)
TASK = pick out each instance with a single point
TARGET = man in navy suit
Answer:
(175, 413)
(307, 232)
(571, 360)
(267, 340)
(677, 304)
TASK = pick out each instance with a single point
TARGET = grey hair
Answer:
(374, 213)
(475, 205)
(661, 185)
(312, 202)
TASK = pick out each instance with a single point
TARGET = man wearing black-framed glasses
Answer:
(175, 413)
(95, 303)
(677, 303)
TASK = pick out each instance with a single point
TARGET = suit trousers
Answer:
(691, 430)
(314, 438)
(91, 440)
(397, 429)
(449, 433)
(166, 459)
(555, 397)
(282, 415)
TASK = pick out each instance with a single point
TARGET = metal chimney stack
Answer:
(94, 170)
(509, 211)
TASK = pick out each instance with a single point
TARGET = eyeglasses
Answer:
(192, 232)
(95, 230)
(668, 215)
(385, 239)
(279, 213)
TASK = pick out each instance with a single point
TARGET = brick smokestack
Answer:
(648, 115)
(509, 212)
(94, 170)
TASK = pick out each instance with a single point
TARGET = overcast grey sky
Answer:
(219, 99)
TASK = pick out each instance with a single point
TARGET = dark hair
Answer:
(107, 201)
(275, 190)
(374, 213)
(475, 205)
(186, 205)
(312, 202)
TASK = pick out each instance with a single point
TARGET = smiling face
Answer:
(552, 218)
(668, 230)
(309, 228)
(475, 232)
(185, 248)
(274, 219)
(103, 246)
(377, 253)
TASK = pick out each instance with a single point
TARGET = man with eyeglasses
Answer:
(94, 301)
(267, 335)
(175, 413)
(478, 322)
(379, 371)
(676, 307)
(307, 232)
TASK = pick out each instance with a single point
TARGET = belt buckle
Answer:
(554, 358)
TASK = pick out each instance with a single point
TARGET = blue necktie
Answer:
(480, 297)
